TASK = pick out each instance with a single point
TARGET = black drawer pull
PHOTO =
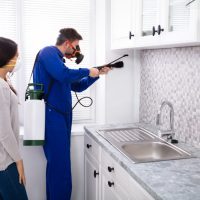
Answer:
(110, 169)
(89, 145)
(110, 184)
(95, 173)
(130, 35)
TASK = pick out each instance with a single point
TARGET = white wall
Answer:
(35, 169)
(122, 85)
(77, 164)
(122, 91)
(118, 92)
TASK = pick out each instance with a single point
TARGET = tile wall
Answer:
(174, 75)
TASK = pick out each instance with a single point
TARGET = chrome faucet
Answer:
(166, 133)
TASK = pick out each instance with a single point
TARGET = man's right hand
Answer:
(94, 72)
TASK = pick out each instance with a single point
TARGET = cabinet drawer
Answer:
(108, 164)
(111, 189)
(111, 167)
(91, 147)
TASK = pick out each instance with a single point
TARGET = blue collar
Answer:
(59, 52)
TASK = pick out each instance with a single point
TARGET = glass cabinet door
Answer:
(150, 16)
(179, 16)
(180, 21)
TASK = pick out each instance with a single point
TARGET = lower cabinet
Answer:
(91, 165)
(105, 179)
(91, 179)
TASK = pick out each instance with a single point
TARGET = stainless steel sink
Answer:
(153, 151)
(142, 146)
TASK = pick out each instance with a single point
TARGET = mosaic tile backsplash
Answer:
(173, 75)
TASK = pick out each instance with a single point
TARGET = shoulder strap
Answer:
(51, 81)
(34, 66)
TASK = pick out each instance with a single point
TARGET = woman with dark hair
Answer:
(12, 178)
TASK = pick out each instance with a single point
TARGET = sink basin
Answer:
(140, 145)
(152, 151)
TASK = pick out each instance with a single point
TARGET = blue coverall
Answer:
(49, 66)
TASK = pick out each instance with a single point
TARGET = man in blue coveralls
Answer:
(58, 81)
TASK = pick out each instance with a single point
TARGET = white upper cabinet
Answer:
(155, 23)
(122, 22)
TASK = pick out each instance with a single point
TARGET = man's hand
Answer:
(104, 70)
(94, 72)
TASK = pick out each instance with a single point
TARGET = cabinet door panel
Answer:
(150, 16)
(121, 22)
(91, 182)
(180, 23)
(179, 15)
(108, 193)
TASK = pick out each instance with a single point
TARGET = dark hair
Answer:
(68, 34)
(8, 49)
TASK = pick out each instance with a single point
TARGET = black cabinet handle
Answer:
(95, 173)
(130, 35)
(89, 145)
(154, 31)
(160, 29)
(110, 169)
(110, 184)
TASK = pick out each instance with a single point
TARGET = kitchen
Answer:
(163, 67)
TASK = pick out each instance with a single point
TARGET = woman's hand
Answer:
(20, 169)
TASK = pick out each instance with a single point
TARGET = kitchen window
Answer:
(34, 24)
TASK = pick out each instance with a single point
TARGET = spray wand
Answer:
(119, 64)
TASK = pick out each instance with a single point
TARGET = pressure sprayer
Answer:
(34, 115)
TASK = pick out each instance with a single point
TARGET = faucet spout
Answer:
(170, 132)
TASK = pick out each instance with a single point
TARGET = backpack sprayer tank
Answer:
(34, 115)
